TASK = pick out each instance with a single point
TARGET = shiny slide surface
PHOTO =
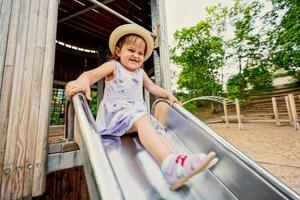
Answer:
(127, 170)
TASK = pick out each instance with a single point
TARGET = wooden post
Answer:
(12, 182)
(160, 29)
(225, 113)
(27, 86)
(8, 56)
(238, 112)
(5, 10)
(275, 109)
(288, 107)
(37, 71)
(39, 179)
(156, 61)
(293, 111)
(27, 130)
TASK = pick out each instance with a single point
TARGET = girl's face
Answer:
(132, 54)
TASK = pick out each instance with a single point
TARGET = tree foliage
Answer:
(248, 47)
(200, 53)
(285, 38)
(260, 43)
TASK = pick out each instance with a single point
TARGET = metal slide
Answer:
(123, 169)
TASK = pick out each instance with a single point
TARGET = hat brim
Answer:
(126, 29)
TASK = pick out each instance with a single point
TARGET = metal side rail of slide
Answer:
(120, 168)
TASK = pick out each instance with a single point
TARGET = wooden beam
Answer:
(294, 111)
(61, 161)
(238, 113)
(225, 113)
(83, 11)
(159, 28)
(77, 14)
(275, 109)
(288, 107)
(156, 60)
(14, 157)
(6, 91)
(36, 97)
(5, 10)
(39, 179)
(28, 123)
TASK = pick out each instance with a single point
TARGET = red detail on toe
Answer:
(182, 159)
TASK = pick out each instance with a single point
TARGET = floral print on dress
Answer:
(123, 103)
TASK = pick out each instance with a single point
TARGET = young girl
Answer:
(123, 110)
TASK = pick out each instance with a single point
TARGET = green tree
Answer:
(248, 48)
(236, 86)
(200, 53)
(285, 37)
(246, 45)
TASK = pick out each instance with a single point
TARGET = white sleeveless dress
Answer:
(123, 103)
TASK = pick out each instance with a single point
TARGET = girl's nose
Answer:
(135, 54)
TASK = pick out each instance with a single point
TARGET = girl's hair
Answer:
(127, 39)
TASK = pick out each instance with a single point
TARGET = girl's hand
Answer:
(76, 86)
(172, 99)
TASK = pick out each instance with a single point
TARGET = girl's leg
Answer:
(152, 141)
(177, 169)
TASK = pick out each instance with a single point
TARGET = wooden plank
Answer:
(26, 82)
(225, 113)
(275, 109)
(156, 60)
(62, 146)
(77, 13)
(131, 11)
(12, 186)
(164, 46)
(81, 11)
(72, 180)
(39, 178)
(293, 111)
(61, 161)
(5, 10)
(36, 38)
(238, 113)
(26, 140)
(288, 107)
(7, 79)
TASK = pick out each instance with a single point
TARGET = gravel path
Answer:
(277, 149)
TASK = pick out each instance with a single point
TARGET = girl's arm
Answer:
(88, 78)
(158, 91)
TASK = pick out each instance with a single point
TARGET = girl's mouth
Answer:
(132, 60)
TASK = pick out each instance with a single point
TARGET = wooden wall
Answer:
(69, 64)
(27, 47)
(69, 184)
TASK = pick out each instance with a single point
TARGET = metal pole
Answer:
(111, 11)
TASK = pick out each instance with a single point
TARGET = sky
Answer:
(187, 13)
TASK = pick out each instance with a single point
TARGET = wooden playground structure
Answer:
(44, 44)
(281, 109)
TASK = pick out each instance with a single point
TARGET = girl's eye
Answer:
(141, 53)
(131, 50)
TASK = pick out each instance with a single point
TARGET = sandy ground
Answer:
(277, 149)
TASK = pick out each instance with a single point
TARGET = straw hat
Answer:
(131, 29)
